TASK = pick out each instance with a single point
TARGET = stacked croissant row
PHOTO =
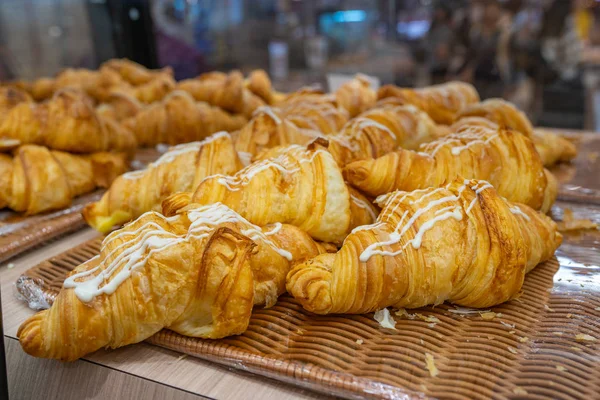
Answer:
(351, 202)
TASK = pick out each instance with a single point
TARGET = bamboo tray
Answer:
(19, 233)
(531, 351)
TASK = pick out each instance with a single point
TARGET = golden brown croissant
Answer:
(134, 73)
(411, 126)
(258, 82)
(197, 273)
(462, 243)
(11, 97)
(67, 122)
(442, 102)
(37, 180)
(149, 92)
(180, 169)
(180, 119)
(506, 159)
(320, 114)
(301, 186)
(225, 91)
(552, 147)
(268, 129)
(356, 95)
(42, 89)
(119, 106)
(503, 113)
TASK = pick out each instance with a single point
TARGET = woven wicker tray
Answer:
(531, 351)
(19, 233)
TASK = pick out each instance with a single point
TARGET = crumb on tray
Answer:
(430, 364)
(570, 223)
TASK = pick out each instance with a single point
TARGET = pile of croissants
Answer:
(351, 201)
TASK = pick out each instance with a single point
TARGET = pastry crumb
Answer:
(561, 368)
(359, 341)
(430, 364)
(569, 315)
(428, 318)
(512, 332)
(490, 337)
(385, 319)
(569, 223)
(506, 324)
(597, 309)
(488, 316)
(557, 333)
(548, 308)
(467, 311)
(10, 265)
(582, 337)
(523, 339)
(512, 349)
(520, 391)
(576, 348)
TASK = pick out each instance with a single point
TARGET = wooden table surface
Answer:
(138, 371)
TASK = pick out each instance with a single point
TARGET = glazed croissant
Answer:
(501, 112)
(223, 90)
(411, 126)
(462, 243)
(67, 122)
(507, 159)
(180, 119)
(197, 273)
(551, 147)
(321, 115)
(301, 186)
(181, 169)
(268, 129)
(442, 102)
(37, 179)
(356, 95)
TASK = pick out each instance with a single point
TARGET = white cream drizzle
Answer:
(267, 111)
(280, 163)
(517, 211)
(153, 238)
(362, 204)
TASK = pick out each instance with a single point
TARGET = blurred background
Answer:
(543, 55)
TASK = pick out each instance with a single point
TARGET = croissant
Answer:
(197, 273)
(134, 73)
(442, 102)
(179, 170)
(67, 122)
(321, 115)
(37, 179)
(119, 106)
(356, 95)
(149, 92)
(267, 130)
(225, 91)
(501, 112)
(506, 159)
(258, 82)
(180, 119)
(551, 147)
(411, 126)
(301, 186)
(461, 243)
(11, 97)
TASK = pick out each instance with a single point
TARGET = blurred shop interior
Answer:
(543, 55)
